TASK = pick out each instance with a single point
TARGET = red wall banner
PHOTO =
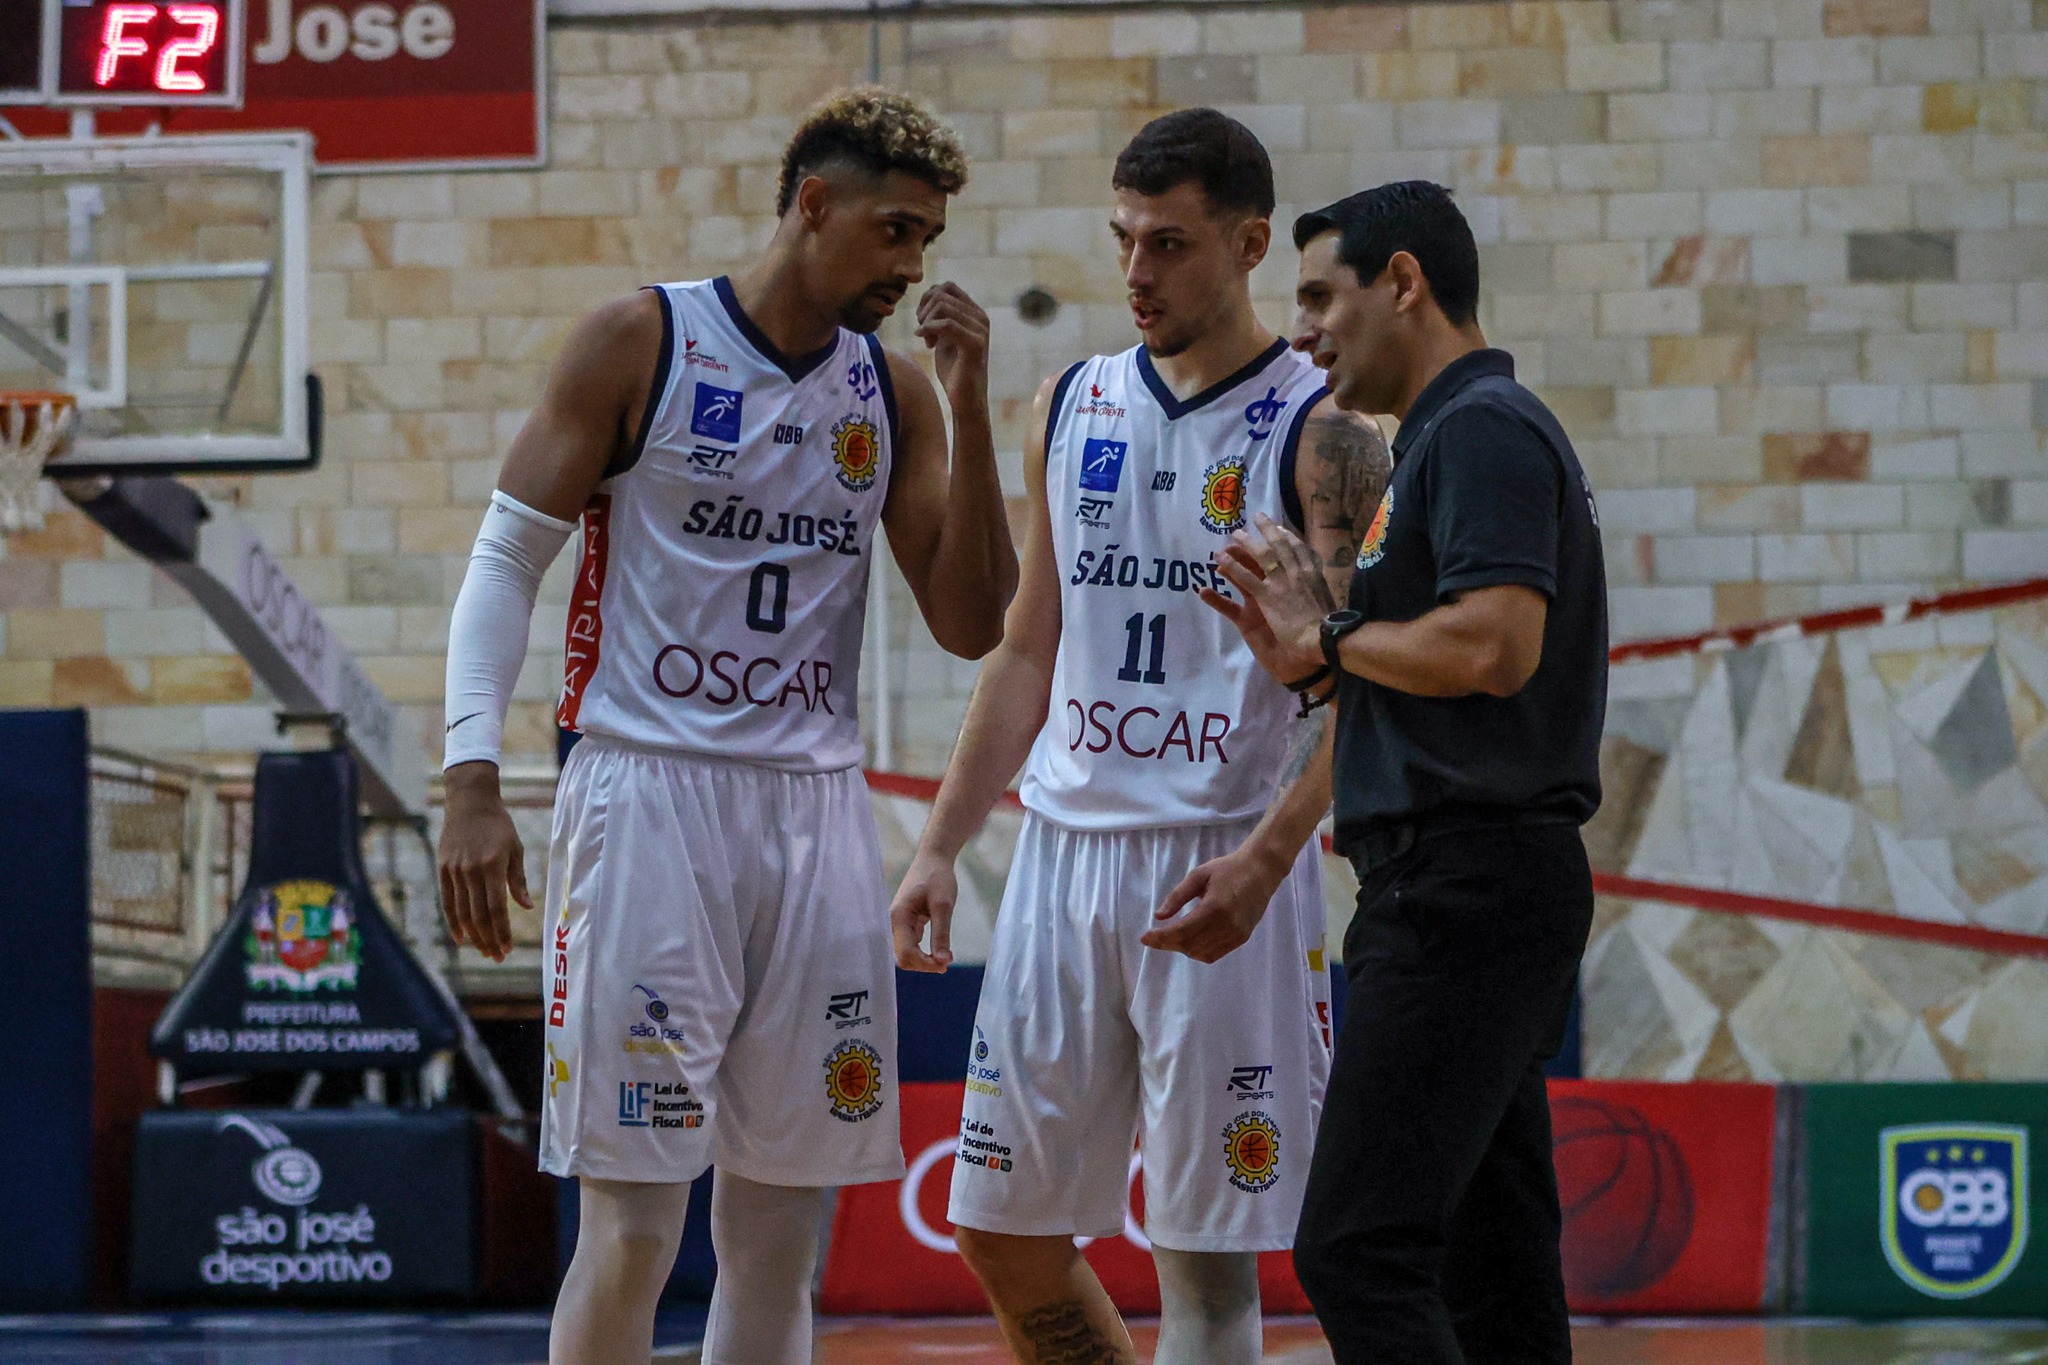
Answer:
(892, 1248)
(1666, 1193)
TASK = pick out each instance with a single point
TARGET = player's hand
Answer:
(926, 898)
(956, 329)
(1215, 908)
(1285, 598)
(481, 859)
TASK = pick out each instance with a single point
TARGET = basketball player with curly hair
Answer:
(719, 985)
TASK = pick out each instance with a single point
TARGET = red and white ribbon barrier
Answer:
(1827, 622)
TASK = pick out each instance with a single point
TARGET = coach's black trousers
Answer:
(1430, 1226)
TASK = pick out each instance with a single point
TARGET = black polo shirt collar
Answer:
(1440, 390)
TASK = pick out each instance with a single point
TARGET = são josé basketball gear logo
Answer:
(1954, 1216)
(1251, 1149)
(1223, 495)
(853, 1081)
(303, 937)
(1374, 547)
(858, 453)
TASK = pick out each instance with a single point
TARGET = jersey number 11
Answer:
(1138, 630)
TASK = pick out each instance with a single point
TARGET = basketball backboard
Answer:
(162, 282)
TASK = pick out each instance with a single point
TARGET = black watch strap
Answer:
(1336, 626)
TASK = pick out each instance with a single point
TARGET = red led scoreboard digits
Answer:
(138, 52)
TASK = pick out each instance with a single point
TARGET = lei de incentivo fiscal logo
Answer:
(1954, 1216)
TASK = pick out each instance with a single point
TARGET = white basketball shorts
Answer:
(1086, 1039)
(719, 988)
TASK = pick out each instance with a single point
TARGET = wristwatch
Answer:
(1336, 626)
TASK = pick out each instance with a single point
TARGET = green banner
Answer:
(1924, 1200)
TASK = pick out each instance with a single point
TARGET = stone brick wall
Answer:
(1780, 265)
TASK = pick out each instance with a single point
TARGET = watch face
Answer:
(1338, 622)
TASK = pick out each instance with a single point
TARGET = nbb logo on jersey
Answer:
(1954, 1215)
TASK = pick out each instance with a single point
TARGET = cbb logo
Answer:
(1954, 1218)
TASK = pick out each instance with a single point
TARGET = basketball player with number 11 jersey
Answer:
(1156, 745)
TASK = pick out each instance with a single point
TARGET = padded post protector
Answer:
(307, 974)
(46, 980)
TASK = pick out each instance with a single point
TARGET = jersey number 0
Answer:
(768, 599)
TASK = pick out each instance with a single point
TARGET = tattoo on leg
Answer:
(1062, 1335)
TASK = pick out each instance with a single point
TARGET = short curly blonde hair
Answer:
(877, 130)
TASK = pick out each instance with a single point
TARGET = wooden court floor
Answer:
(301, 1338)
(1634, 1343)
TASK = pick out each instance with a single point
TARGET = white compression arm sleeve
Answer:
(488, 628)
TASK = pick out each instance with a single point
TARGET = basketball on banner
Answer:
(1626, 1195)
(1665, 1192)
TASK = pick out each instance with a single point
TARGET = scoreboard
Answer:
(381, 84)
(124, 52)
(107, 53)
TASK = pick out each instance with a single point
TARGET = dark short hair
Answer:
(1209, 148)
(1415, 216)
(877, 131)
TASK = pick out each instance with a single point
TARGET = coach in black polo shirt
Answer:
(1471, 680)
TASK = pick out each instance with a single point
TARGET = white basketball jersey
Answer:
(719, 605)
(1160, 715)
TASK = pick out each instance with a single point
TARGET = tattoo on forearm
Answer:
(1348, 467)
(1301, 750)
(1062, 1335)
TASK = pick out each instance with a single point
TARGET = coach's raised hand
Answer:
(956, 329)
(1285, 597)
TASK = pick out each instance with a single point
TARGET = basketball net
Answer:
(34, 426)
